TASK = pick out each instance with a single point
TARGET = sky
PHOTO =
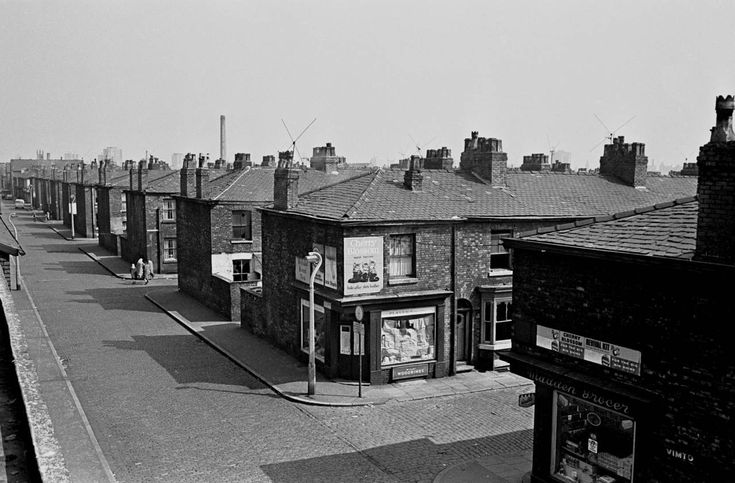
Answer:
(381, 78)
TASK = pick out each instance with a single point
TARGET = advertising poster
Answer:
(363, 265)
(591, 350)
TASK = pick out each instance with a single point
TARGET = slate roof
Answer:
(163, 181)
(664, 230)
(8, 243)
(120, 180)
(257, 184)
(445, 195)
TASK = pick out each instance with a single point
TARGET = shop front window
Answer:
(591, 444)
(319, 335)
(407, 337)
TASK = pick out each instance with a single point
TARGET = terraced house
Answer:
(219, 227)
(420, 252)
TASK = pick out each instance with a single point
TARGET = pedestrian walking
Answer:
(132, 272)
(147, 272)
(139, 269)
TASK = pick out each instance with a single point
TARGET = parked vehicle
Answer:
(19, 203)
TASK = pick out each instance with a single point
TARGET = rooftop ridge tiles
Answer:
(231, 184)
(353, 209)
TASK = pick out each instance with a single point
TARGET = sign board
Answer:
(592, 350)
(344, 340)
(358, 328)
(303, 270)
(410, 371)
(527, 400)
(359, 313)
(73, 208)
(363, 265)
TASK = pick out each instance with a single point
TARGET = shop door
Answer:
(461, 332)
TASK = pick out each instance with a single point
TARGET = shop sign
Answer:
(592, 350)
(407, 372)
(585, 394)
(527, 400)
(363, 265)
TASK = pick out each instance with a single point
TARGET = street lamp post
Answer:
(315, 259)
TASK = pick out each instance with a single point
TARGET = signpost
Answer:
(359, 329)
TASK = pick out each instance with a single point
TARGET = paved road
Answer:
(166, 407)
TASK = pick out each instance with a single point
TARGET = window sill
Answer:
(169, 260)
(403, 281)
(240, 242)
(499, 345)
(499, 272)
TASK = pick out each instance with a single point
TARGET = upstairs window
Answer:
(169, 209)
(242, 225)
(499, 255)
(240, 270)
(401, 253)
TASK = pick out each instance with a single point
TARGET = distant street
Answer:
(166, 407)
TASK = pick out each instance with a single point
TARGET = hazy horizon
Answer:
(379, 77)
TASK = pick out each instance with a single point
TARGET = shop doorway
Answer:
(463, 330)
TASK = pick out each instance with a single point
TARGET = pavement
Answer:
(276, 369)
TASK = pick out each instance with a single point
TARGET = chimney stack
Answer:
(627, 162)
(485, 158)
(187, 180)
(413, 179)
(242, 160)
(202, 178)
(716, 189)
(222, 144)
(285, 183)
(142, 175)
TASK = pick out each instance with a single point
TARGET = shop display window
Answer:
(407, 339)
(319, 326)
(591, 444)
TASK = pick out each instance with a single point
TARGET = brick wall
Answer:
(677, 316)
(5, 265)
(716, 194)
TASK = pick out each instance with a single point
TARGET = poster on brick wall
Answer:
(592, 350)
(363, 265)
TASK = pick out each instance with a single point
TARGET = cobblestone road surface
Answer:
(166, 407)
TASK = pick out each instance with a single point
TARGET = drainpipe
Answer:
(453, 308)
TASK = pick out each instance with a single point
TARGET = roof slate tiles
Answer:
(668, 230)
(451, 194)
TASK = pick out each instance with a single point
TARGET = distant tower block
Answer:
(222, 141)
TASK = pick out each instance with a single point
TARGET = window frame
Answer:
(498, 251)
(167, 249)
(169, 209)
(248, 227)
(391, 257)
(491, 322)
(241, 273)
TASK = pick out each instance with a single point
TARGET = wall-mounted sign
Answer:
(363, 265)
(592, 350)
(680, 455)
(527, 400)
(303, 270)
(408, 372)
(345, 333)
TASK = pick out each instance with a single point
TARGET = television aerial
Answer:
(611, 134)
(293, 147)
(552, 149)
(418, 146)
